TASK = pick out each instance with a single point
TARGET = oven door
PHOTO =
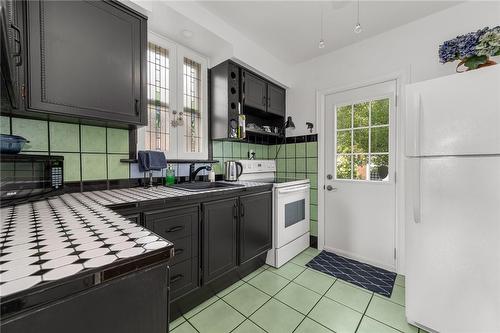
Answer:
(292, 213)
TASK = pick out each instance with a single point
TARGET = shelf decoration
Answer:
(473, 49)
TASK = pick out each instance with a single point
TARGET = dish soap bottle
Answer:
(170, 176)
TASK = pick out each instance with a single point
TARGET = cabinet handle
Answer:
(263, 100)
(174, 229)
(136, 107)
(17, 40)
(242, 210)
(178, 251)
(235, 211)
(176, 278)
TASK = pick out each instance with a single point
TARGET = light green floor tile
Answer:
(200, 307)
(177, 322)
(315, 281)
(310, 326)
(298, 297)
(400, 280)
(254, 274)
(302, 259)
(276, 317)
(248, 327)
(349, 295)
(335, 316)
(369, 325)
(289, 270)
(397, 296)
(311, 251)
(246, 299)
(217, 318)
(184, 328)
(230, 288)
(389, 313)
(269, 282)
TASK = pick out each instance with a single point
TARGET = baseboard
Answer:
(359, 258)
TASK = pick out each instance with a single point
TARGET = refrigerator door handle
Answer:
(417, 203)
(418, 124)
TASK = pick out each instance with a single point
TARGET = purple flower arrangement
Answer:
(472, 49)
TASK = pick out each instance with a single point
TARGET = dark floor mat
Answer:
(366, 276)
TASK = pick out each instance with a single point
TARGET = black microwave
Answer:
(27, 177)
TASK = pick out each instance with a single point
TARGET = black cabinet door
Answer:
(219, 238)
(275, 100)
(255, 225)
(180, 226)
(173, 223)
(254, 91)
(133, 303)
(11, 42)
(86, 59)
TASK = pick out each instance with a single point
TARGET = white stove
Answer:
(290, 210)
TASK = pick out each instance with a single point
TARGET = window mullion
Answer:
(368, 163)
(352, 141)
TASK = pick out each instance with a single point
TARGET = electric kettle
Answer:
(231, 172)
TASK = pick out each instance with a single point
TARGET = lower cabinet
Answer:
(180, 226)
(220, 224)
(134, 303)
(255, 225)
(230, 232)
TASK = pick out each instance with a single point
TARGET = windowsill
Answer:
(173, 161)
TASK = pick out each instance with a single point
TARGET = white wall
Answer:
(244, 50)
(411, 49)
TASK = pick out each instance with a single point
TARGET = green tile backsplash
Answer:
(90, 152)
(35, 131)
(4, 125)
(64, 137)
(93, 139)
(294, 160)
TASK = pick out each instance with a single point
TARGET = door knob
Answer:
(331, 188)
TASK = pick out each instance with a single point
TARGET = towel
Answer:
(151, 160)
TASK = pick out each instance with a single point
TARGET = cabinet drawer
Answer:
(183, 278)
(185, 248)
(175, 223)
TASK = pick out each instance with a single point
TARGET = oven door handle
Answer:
(293, 189)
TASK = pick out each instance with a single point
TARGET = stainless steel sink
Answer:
(203, 186)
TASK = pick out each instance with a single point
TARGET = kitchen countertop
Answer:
(77, 235)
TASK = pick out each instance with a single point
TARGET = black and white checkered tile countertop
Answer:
(55, 238)
(138, 194)
(51, 239)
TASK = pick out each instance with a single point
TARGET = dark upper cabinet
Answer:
(254, 91)
(235, 90)
(255, 225)
(87, 60)
(11, 42)
(220, 222)
(275, 100)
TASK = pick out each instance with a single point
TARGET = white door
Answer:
(360, 179)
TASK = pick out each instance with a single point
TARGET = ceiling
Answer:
(290, 30)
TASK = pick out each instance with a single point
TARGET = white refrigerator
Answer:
(452, 189)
